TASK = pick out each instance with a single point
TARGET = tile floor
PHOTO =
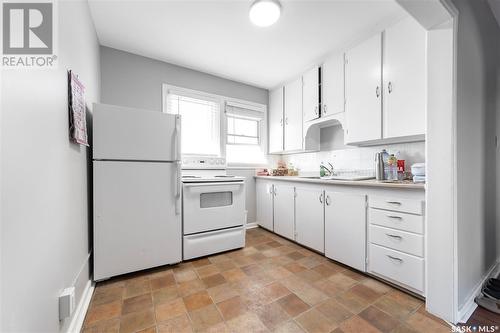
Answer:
(272, 285)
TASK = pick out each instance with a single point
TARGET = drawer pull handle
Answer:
(394, 258)
(394, 203)
(394, 217)
(395, 236)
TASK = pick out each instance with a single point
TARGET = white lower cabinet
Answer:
(396, 241)
(264, 193)
(399, 267)
(345, 228)
(310, 218)
(389, 233)
(284, 217)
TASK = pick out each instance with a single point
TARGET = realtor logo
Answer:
(28, 34)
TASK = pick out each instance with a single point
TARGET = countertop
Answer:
(366, 183)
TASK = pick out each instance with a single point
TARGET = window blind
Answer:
(200, 123)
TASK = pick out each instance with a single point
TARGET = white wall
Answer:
(477, 95)
(45, 232)
(136, 81)
(440, 154)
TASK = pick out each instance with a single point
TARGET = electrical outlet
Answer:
(66, 303)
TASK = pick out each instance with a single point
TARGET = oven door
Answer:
(212, 206)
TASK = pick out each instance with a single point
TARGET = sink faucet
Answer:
(328, 171)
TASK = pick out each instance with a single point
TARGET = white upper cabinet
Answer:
(293, 115)
(404, 79)
(311, 94)
(332, 85)
(309, 217)
(363, 89)
(276, 120)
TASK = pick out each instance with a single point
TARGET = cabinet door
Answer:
(363, 82)
(264, 192)
(332, 85)
(404, 79)
(293, 115)
(309, 218)
(276, 120)
(311, 94)
(284, 201)
(345, 228)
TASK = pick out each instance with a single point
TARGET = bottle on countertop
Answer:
(385, 161)
(379, 166)
(392, 172)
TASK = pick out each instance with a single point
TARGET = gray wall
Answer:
(135, 81)
(45, 209)
(477, 91)
(250, 189)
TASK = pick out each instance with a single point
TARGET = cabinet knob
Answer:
(377, 91)
(327, 200)
(389, 87)
(324, 109)
(286, 121)
(316, 110)
(281, 122)
(321, 198)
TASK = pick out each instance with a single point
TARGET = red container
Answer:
(401, 165)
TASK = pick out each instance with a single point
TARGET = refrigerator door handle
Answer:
(177, 136)
(178, 188)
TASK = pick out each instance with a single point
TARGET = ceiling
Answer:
(216, 36)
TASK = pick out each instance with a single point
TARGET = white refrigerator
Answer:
(137, 190)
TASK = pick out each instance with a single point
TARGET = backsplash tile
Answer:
(356, 158)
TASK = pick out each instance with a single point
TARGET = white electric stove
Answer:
(213, 210)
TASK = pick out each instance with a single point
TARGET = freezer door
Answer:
(135, 221)
(121, 133)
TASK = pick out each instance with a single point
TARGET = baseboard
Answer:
(470, 306)
(76, 323)
(252, 225)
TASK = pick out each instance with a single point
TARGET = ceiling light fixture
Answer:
(264, 13)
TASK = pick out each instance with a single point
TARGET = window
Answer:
(200, 133)
(244, 143)
(238, 133)
(242, 131)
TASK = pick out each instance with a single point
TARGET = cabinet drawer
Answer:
(396, 220)
(397, 240)
(397, 266)
(397, 204)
